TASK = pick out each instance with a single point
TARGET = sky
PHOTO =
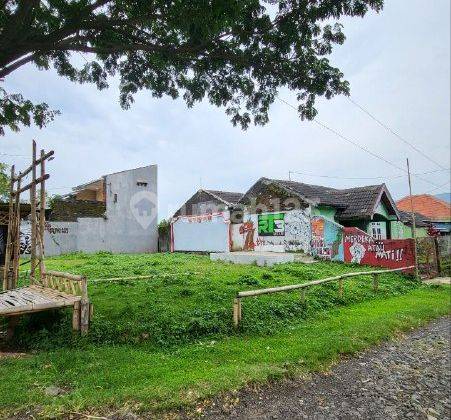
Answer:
(398, 66)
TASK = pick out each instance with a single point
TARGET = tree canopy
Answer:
(236, 53)
(4, 182)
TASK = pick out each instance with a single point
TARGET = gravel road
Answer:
(408, 378)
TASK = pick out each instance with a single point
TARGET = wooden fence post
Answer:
(76, 317)
(84, 316)
(236, 312)
(375, 282)
(303, 296)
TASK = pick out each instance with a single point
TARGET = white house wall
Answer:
(294, 237)
(201, 233)
(130, 224)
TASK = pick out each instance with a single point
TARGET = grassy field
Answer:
(167, 341)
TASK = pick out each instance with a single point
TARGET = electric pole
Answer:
(414, 230)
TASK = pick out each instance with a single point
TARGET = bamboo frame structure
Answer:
(37, 218)
(48, 289)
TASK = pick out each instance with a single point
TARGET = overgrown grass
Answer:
(101, 378)
(189, 298)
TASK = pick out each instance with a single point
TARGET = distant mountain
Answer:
(444, 196)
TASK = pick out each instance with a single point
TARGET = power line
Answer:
(358, 145)
(7, 154)
(389, 129)
(437, 188)
(361, 178)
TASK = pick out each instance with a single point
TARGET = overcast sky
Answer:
(398, 65)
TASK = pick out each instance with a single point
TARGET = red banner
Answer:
(361, 248)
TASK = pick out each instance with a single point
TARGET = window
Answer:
(378, 230)
(141, 183)
(115, 198)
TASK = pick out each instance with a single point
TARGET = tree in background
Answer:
(4, 182)
(235, 53)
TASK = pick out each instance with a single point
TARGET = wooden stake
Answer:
(236, 312)
(340, 288)
(76, 317)
(84, 316)
(303, 295)
(375, 282)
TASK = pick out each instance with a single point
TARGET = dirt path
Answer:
(406, 378)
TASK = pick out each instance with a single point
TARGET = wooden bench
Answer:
(54, 290)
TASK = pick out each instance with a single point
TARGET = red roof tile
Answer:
(432, 207)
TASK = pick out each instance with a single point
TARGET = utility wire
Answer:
(437, 188)
(6, 154)
(389, 129)
(358, 145)
(360, 177)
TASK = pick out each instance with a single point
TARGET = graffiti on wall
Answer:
(247, 231)
(271, 224)
(298, 231)
(277, 232)
(361, 248)
(327, 239)
(25, 238)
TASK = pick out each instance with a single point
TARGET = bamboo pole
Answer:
(375, 282)
(9, 247)
(303, 295)
(42, 218)
(340, 288)
(33, 213)
(16, 240)
(250, 293)
(29, 169)
(236, 312)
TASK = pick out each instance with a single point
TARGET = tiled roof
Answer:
(431, 207)
(351, 203)
(226, 196)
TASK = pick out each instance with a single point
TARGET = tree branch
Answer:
(14, 66)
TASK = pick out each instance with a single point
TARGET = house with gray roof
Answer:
(282, 216)
(202, 223)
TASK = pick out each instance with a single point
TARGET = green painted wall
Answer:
(383, 211)
(324, 211)
(402, 231)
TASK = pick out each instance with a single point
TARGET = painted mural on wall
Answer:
(327, 239)
(247, 230)
(361, 248)
(25, 238)
(271, 224)
(276, 232)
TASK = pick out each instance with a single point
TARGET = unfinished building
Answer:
(116, 213)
